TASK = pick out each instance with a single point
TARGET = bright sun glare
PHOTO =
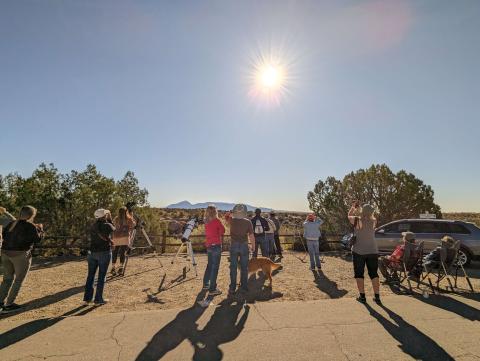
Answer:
(269, 82)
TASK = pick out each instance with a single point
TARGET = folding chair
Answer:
(460, 266)
(448, 260)
(412, 256)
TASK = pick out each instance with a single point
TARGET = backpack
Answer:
(258, 227)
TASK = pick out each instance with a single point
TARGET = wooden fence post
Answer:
(164, 241)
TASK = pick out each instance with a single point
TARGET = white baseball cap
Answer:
(100, 213)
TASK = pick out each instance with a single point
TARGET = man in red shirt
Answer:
(395, 259)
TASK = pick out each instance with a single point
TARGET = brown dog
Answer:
(266, 265)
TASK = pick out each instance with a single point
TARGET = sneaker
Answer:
(113, 272)
(102, 302)
(11, 308)
(361, 299)
(319, 268)
(206, 287)
(312, 268)
(215, 292)
(87, 303)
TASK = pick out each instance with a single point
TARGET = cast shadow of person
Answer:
(182, 327)
(452, 305)
(28, 329)
(45, 301)
(328, 286)
(221, 328)
(412, 341)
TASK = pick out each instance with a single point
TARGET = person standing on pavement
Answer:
(365, 250)
(241, 234)
(276, 234)
(19, 238)
(312, 233)
(214, 231)
(99, 255)
(260, 226)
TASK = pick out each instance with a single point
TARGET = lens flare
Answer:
(268, 80)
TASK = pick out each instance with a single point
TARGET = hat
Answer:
(311, 217)
(367, 210)
(100, 213)
(409, 236)
(239, 211)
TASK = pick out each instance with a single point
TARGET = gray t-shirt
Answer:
(365, 232)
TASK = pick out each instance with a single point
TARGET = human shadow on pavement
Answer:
(182, 327)
(328, 286)
(412, 341)
(222, 327)
(28, 329)
(452, 305)
(45, 301)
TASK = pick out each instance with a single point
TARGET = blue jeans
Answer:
(314, 253)
(95, 260)
(238, 250)
(214, 253)
(271, 243)
(261, 240)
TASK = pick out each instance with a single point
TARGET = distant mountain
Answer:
(221, 206)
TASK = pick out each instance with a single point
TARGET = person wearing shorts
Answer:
(364, 250)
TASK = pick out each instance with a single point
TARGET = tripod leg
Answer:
(178, 252)
(125, 265)
(151, 246)
(192, 256)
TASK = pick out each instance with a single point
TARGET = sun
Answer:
(270, 77)
(269, 81)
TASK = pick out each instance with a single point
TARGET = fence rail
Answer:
(162, 242)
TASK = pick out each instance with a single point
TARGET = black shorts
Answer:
(359, 262)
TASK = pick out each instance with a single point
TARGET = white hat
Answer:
(100, 213)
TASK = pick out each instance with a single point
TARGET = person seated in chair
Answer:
(394, 260)
(432, 260)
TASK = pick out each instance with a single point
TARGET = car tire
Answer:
(464, 257)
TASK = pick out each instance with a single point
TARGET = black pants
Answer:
(359, 262)
(122, 250)
(278, 247)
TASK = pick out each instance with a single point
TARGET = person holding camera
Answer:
(364, 249)
(99, 255)
(122, 238)
(214, 231)
(241, 232)
(260, 226)
(312, 233)
(19, 238)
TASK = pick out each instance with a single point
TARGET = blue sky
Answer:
(162, 88)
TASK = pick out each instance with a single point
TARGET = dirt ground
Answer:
(55, 286)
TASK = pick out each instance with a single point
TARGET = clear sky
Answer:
(164, 88)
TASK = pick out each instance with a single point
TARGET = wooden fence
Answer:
(164, 243)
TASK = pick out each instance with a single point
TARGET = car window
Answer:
(428, 227)
(457, 228)
(397, 227)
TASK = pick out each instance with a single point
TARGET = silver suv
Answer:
(431, 231)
